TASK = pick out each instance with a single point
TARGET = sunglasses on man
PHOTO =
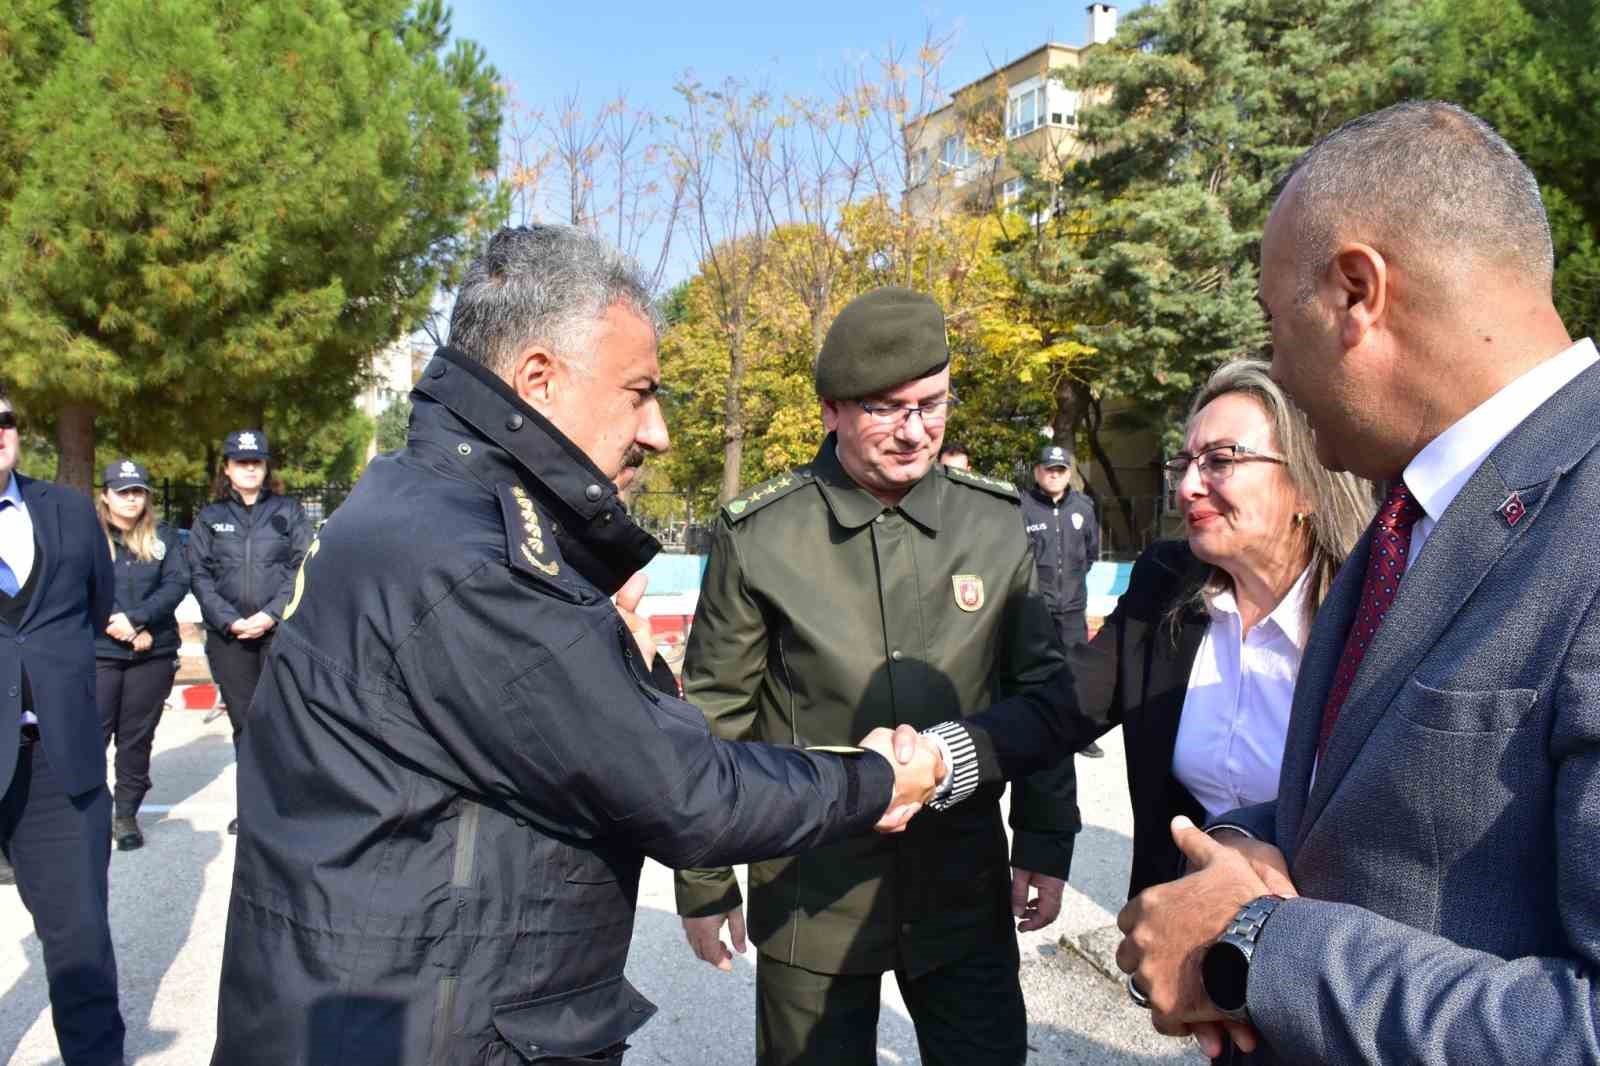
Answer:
(8, 420)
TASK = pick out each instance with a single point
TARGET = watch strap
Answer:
(1240, 938)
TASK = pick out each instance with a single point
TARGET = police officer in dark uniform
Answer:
(136, 655)
(1065, 531)
(244, 549)
(457, 765)
(875, 587)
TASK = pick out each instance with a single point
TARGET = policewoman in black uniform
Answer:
(244, 550)
(137, 655)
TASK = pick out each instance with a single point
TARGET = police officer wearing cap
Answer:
(137, 654)
(1065, 531)
(876, 587)
(244, 550)
(457, 762)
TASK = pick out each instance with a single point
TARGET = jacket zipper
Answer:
(249, 534)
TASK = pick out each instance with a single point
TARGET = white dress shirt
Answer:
(16, 543)
(1236, 712)
(1440, 470)
(16, 532)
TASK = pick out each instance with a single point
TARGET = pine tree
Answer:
(1193, 111)
(219, 209)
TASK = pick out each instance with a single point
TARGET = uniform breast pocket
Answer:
(1460, 711)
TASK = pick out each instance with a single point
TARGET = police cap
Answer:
(246, 444)
(125, 474)
(881, 339)
(1054, 455)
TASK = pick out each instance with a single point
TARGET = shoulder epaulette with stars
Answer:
(741, 507)
(978, 481)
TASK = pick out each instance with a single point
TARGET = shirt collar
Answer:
(1441, 469)
(1289, 616)
(13, 493)
(853, 506)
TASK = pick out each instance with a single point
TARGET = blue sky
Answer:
(546, 49)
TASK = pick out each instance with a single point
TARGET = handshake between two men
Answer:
(918, 771)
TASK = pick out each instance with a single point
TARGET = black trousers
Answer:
(131, 694)
(966, 1012)
(1072, 627)
(60, 846)
(236, 667)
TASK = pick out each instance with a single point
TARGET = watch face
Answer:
(1226, 971)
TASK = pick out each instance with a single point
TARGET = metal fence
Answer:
(682, 520)
(1153, 518)
(179, 501)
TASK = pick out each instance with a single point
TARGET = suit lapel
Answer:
(43, 512)
(1317, 667)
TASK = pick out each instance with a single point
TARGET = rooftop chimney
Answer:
(1102, 23)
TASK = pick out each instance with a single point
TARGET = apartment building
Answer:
(958, 159)
(957, 155)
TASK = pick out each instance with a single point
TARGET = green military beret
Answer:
(881, 339)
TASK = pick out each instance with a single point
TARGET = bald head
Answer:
(1425, 183)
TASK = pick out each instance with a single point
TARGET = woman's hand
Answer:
(142, 641)
(119, 628)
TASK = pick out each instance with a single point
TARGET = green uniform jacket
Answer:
(823, 615)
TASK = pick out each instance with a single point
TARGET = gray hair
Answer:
(1341, 504)
(545, 285)
(1425, 177)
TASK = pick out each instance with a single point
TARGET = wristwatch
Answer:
(1225, 967)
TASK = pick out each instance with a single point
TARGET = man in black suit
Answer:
(55, 810)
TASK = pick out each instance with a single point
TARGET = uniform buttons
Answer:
(514, 423)
(12, 691)
(879, 519)
(439, 367)
(905, 927)
(592, 493)
(22, 639)
(895, 655)
(464, 448)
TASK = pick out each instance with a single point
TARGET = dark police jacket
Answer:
(243, 559)
(149, 594)
(1066, 541)
(445, 806)
(47, 638)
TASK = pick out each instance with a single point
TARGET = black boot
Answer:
(125, 831)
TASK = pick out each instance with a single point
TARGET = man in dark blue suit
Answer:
(55, 810)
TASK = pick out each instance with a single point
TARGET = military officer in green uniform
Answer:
(876, 588)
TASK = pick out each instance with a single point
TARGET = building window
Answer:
(1012, 191)
(919, 166)
(953, 153)
(1038, 105)
(958, 160)
(1025, 112)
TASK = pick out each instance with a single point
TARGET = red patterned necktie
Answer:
(1386, 565)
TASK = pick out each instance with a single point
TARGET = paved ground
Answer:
(168, 905)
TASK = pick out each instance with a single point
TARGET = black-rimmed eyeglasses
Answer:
(1215, 464)
(892, 414)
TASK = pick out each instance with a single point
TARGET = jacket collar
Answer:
(595, 533)
(853, 506)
